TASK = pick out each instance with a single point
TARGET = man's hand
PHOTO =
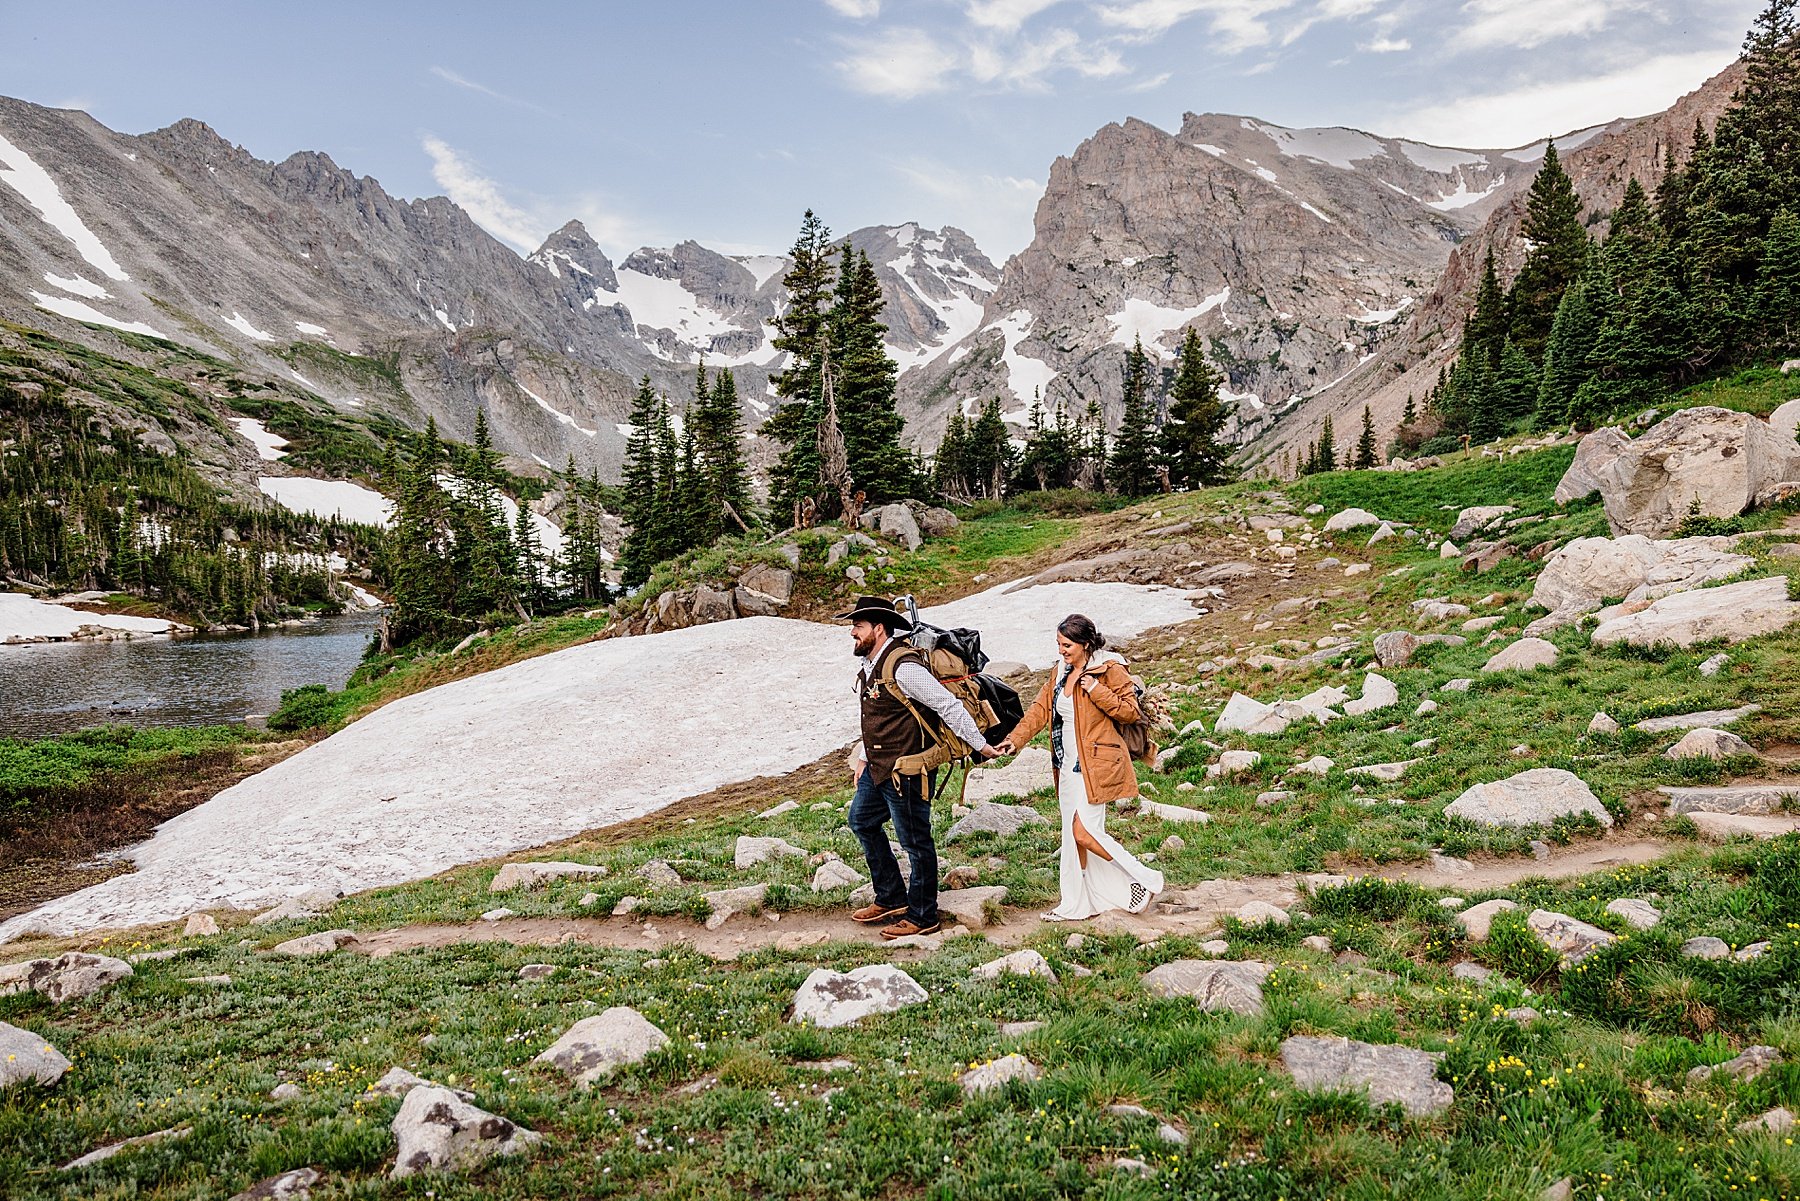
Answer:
(1005, 748)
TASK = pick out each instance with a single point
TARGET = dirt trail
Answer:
(1193, 910)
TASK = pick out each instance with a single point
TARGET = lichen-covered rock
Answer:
(990, 818)
(530, 875)
(1733, 613)
(986, 1077)
(1216, 985)
(1387, 1074)
(439, 1131)
(596, 1047)
(1531, 798)
(68, 977)
(24, 1056)
(829, 999)
(1571, 938)
(1019, 963)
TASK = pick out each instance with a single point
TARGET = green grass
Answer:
(34, 769)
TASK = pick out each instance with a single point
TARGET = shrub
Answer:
(304, 708)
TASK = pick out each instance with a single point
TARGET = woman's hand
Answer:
(1006, 747)
(1088, 683)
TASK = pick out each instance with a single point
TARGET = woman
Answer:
(1083, 703)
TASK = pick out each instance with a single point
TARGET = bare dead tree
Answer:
(834, 459)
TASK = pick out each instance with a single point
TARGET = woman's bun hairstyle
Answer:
(1083, 632)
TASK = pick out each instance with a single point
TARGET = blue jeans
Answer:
(901, 800)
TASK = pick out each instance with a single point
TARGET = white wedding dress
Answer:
(1121, 883)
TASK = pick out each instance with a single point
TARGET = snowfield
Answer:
(544, 749)
(328, 499)
(28, 619)
(20, 172)
(74, 310)
(268, 445)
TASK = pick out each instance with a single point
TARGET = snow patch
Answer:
(664, 304)
(268, 445)
(19, 172)
(1464, 196)
(1262, 170)
(488, 765)
(1210, 149)
(28, 619)
(74, 310)
(444, 319)
(1381, 316)
(1024, 375)
(1336, 147)
(329, 499)
(555, 412)
(1315, 212)
(242, 325)
(1149, 321)
(77, 286)
(1441, 159)
(764, 267)
(311, 330)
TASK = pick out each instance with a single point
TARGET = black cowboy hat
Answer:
(878, 608)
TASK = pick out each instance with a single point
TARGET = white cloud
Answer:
(480, 197)
(1524, 24)
(1024, 64)
(1525, 114)
(1006, 15)
(1386, 45)
(1238, 24)
(856, 10)
(996, 210)
(451, 77)
(1152, 83)
(1327, 10)
(898, 63)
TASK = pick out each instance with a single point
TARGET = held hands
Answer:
(1005, 747)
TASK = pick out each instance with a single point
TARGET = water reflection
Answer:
(53, 688)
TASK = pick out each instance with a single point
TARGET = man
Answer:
(889, 732)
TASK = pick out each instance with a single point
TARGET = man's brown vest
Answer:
(889, 731)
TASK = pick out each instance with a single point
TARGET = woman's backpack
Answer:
(1137, 735)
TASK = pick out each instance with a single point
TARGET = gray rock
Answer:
(1602, 723)
(1029, 772)
(100, 1154)
(1473, 520)
(1705, 947)
(1561, 1190)
(296, 1185)
(1576, 578)
(1388, 1074)
(1477, 919)
(1378, 693)
(1395, 648)
(990, 818)
(1457, 685)
(1723, 827)
(1715, 665)
(938, 523)
(1471, 971)
(897, 522)
(1350, 519)
(713, 604)
(1527, 654)
(1216, 985)
(439, 1131)
(751, 851)
(310, 903)
(1711, 718)
(835, 874)
(1019, 963)
(1776, 1121)
(1317, 942)
(1707, 743)
(658, 871)
(971, 906)
(1020, 1029)
(1253, 913)
(500, 914)
(829, 999)
(1242, 713)
(1522, 1014)
(1132, 1167)
(727, 903)
(1753, 1062)
(286, 1091)
(1636, 912)
(774, 583)
(1531, 798)
(200, 925)
(1733, 613)
(1571, 938)
(1755, 950)
(1385, 773)
(1437, 609)
(70, 976)
(998, 1073)
(1234, 763)
(530, 875)
(596, 1047)
(24, 1056)
(397, 1082)
(534, 972)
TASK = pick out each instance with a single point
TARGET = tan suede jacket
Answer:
(1105, 765)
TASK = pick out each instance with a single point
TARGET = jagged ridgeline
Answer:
(1695, 279)
(111, 479)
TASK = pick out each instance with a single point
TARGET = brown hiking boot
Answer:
(906, 926)
(868, 915)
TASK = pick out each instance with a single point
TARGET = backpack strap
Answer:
(935, 754)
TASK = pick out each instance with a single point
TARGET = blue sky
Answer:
(654, 122)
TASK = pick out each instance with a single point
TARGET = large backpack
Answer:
(955, 658)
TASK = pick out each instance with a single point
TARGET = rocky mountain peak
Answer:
(572, 252)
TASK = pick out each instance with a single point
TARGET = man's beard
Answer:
(863, 646)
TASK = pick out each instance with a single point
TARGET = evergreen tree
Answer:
(989, 458)
(1365, 458)
(668, 510)
(950, 468)
(1559, 251)
(1052, 449)
(1568, 356)
(1326, 458)
(638, 489)
(721, 440)
(1411, 414)
(864, 385)
(1131, 471)
(1777, 299)
(1191, 443)
(529, 570)
(802, 331)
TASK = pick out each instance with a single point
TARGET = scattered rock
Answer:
(1776, 1121)
(799, 940)
(1471, 971)
(1318, 765)
(500, 914)
(1457, 685)
(1711, 718)
(1395, 648)
(727, 903)
(69, 977)
(1350, 519)
(1386, 773)
(1234, 763)
(1737, 798)
(1705, 947)
(897, 522)
(658, 871)
(24, 1056)
(322, 943)
(829, 999)
(962, 876)
(438, 1131)
(1707, 743)
(530, 875)
(1020, 1029)
(288, 1186)
(1378, 693)
(1477, 518)
(991, 818)
(750, 851)
(1715, 665)
(972, 906)
(200, 925)
(1476, 920)
(1317, 942)
(1602, 724)
(1019, 963)
(285, 1091)
(1253, 913)
(779, 809)
(1437, 609)
(1388, 1074)
(1532, 798)
(111, 1149)
(1569, 937)
(1241, 713)
(1755, 950)
(835, 874)
(1636, 912)
(596, 1047)
(1753, 1062)
(1733, 613)
(1578, 577)
(397, 1082)
(1527, 654)
(1132, 1167)
(998, 1073)
(1722, 827)
(1029, 772)
(1215, 985)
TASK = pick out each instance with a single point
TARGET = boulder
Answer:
(1026, 774)
(1714, 665)
(1173, 813)
(990, 818)
(1733, 613)
(1706, 947)
(829, 999)
(69, 977)
(835, 874)
(1477, 920)
(1736, 798)
(1723, 827)
(1395, 648)
(322, 943)
(1318, 765)
(1477, 518)
(1594, 452)
(997, 1073)
(713, 604)
(396, 1082)
(530, 875)
(1707, 743)
(1240, 713)
(1636, 912)
(1712, 718)
(1748, 1065)
(200, 925)
(596, 1047)
(775, 583)
(897, 523)
(1254, 913)
(1576, 578)
(1569, 937)
(751, 851)
(296, 1185)
(1216, 985)
(727, 903)
(1779, 1120)
(1471, 971)
(1234, 763)
(1378, 693)
(1785, 420)
(1385, 773)
(939, 523)
(658, 871)
(1718, 457)
(1527, 654)
(1437, 609)
(1019, 963)
(1350, 519)
(439, 1131)
(310, 903)
(1387, 1074)
(970, 906)
(1531, 798)
(1602, 723)
(24, 1056)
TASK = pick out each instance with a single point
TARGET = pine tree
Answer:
(1777, 299)
(1131, 471)
(638, 489)
(667, 510)
(1326, 458)
(721, 437)
(864, 385)
(802, 327)
(1191, 442)
(1559, 251)
(1412, 413)
(1365, 459)
(529, 570)
(1568, 355)
(989, 458)
(950, 467)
